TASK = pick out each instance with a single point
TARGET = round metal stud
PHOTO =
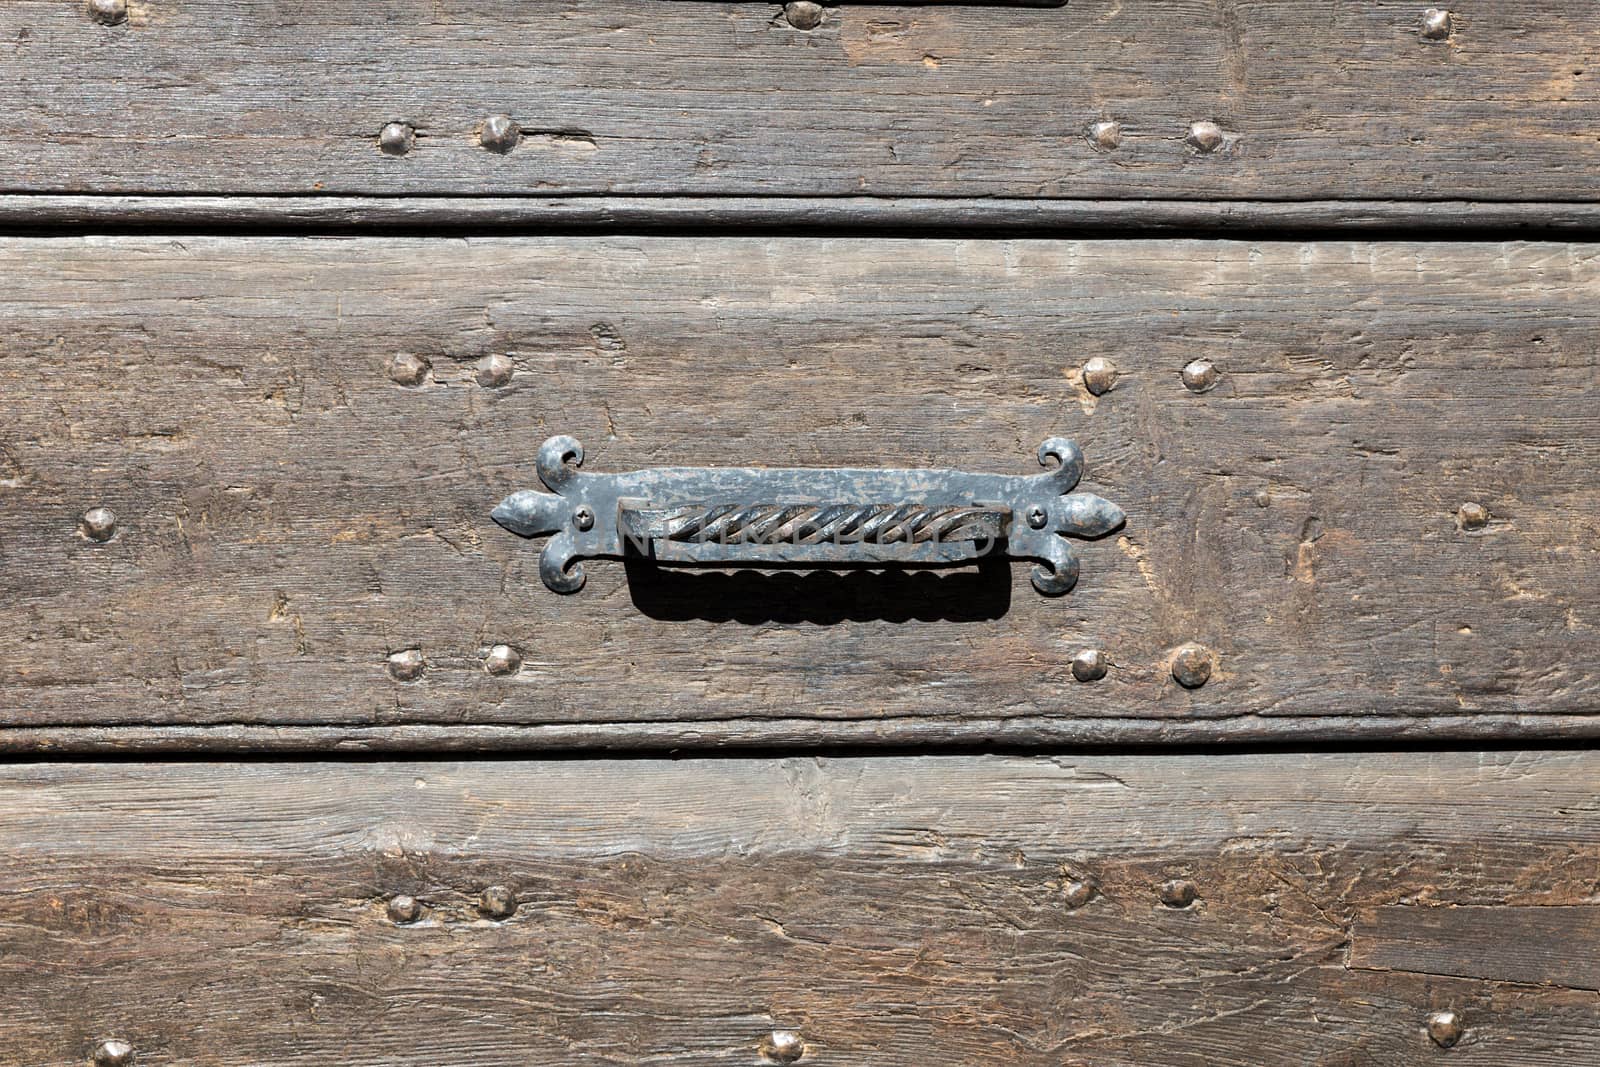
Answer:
(498, 903)
(98, 524)
(406, 666)
(1436, 24)
(408, 369)
(583, 517)
(113, 1054)
(494, 372)
(1090, 665)
(1099, 375)
(783, 1046)
(502, 659)
(1262, 498)
(1445, 1028)
(1472, 516)
(1037, 517)
(1106, 135)
(1205, 137)
(397, 138)
(499, 133)
(1200, 375)
(1178, 893)
(109, 12)
(403, 909)
(1192, 666)
(803, 14)
(1076, 894)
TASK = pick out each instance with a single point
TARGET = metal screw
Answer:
(1445, 1028)
(98, 524)
(1099, 375)
(1191, 666)
(397, 138)
(497, 902)
(502, 659)
(783, 1046)
(404, 909)
(1178, 893)
(1090, 665)
(803, 14)
(1436, 24)
(1200, 375)
(1472, 516)
(583, 518)
(1205, 137)
(1076, 894)
(109, 12)
(1106, 135)
(113, 1054)
(499, 134)
(494, 371)
(1037, 517)
(406, 666)
(407, 369)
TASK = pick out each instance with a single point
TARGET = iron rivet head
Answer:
(408, 369)
(783, 1046)
(1191, 666)
(803, 14)
(403, 909)
(1472, 516)
(109, 12)
(1076, 894)
(1037, 516)
(499, 134)
(406, 666)
(397, 138)
(1089, 665)
(1099, 375)
(494, 371)
(1445, 1028)
(502, 659)
(583, 518)
(1205, 137)
(1106, 135)
(113, 1054)
(1178, 893)
(497, 902)
(98, 524)
(1263, 499)
(1200, 375)
(1436, 24)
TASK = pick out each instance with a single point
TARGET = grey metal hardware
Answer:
(800, 517)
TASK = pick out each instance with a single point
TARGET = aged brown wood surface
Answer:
(630, 97)
(896, 911)
(289, 516)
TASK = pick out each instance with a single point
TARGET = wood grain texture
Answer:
(630, 97)
(901, 911)
(289, 516)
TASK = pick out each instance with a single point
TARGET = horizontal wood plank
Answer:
(289, 516)
(1536, 945)
(635, 97)
(897, 911)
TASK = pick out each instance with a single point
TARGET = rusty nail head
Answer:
(98, 524)
(1436, 24)
(404, 909)
(803, 14)
(1472, 516)
(1205, 137)
(408, 369)
(113, 1054)
(109, 12)
(494, 371)
(497, 902)
(502, 659)
(1200, 375)
(406, 666)
(396, 138)
(783, 1046)
(499, 133)
(1089, 665)
(1106, 135)
(1445, 1028)
(1192, 666)
(1099, 375)
(1075, 894)
(1178, 893)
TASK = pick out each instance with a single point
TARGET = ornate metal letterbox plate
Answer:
(798, 517)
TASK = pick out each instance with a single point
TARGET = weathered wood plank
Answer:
(634, 97)
(893, 911)
(1540, 945)
(289, 516)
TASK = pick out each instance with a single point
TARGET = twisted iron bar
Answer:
(810, 524)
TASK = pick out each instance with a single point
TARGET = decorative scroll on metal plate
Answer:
(735, 516)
